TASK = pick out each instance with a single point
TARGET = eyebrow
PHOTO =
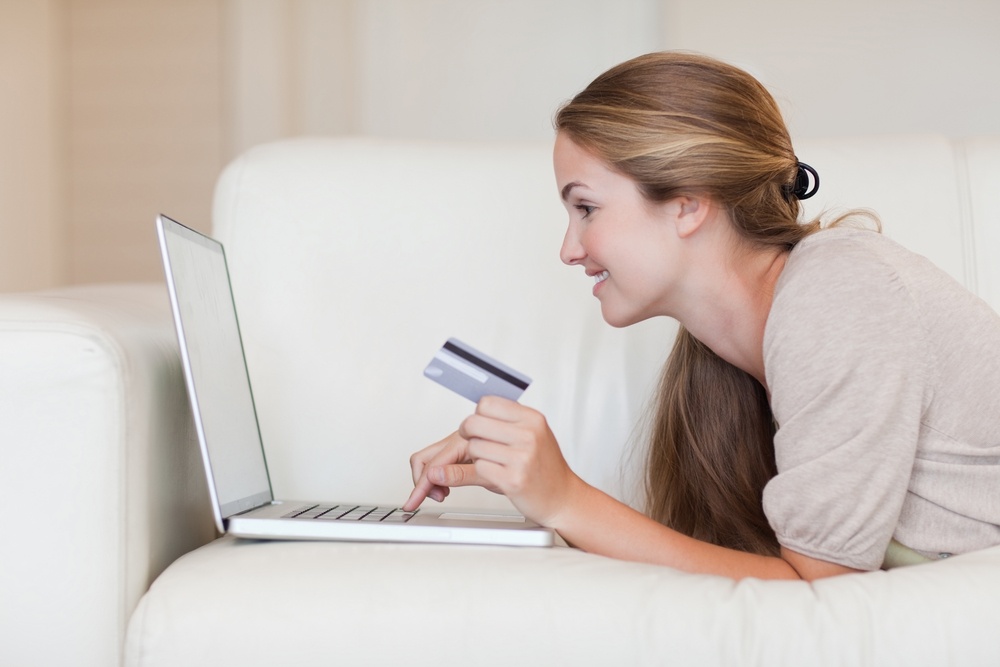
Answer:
(569, 186)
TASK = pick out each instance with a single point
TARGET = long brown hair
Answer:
(683, 124)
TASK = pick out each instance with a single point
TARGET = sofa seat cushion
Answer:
(320, 603)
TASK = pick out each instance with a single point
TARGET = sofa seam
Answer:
(966, 217)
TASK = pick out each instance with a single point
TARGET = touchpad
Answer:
(459, 516)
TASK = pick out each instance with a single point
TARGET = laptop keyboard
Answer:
(351, 513)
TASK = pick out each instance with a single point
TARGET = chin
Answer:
(621, 320)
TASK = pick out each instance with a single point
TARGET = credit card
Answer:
(470, 373)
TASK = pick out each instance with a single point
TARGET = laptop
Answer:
(218, 384)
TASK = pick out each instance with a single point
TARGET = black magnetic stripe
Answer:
(486, 366)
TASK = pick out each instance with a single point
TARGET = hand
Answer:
(504, 447)
(436, 468)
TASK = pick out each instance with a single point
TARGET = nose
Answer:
(572, 251)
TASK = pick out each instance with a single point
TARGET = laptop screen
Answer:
(215, 368)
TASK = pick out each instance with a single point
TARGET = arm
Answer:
(847, 367)
(596, 522)
(508, 448)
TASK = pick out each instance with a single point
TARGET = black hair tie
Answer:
(804, 187)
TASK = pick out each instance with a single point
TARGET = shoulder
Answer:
(839, 275)
(840, 257)
(843, 293)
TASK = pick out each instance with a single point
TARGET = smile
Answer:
(600, 277)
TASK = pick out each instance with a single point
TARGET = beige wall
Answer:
(145, 128)
(32, 150)
(290, 70)
(110, 111)
(114, 110)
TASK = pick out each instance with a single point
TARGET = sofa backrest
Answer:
(353, 260)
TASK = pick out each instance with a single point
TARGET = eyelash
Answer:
(586, 209)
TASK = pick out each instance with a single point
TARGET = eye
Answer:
(585, 209)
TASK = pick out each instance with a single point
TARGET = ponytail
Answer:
(711, 451)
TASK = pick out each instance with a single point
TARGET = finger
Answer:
(424, 486)
(419, 460)
(438, 493)
(448, 450)
(495, 472)
(501, 408)
(479, 427)
(423, 491)
(489, 450)
(456, 474)
(507, 469)
(484, 427)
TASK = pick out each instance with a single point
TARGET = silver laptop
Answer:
(218, 385)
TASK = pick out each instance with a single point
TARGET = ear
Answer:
(690, 214)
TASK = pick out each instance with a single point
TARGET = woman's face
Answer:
(626, 243)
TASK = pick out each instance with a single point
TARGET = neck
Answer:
(740, 293)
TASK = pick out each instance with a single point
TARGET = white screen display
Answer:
(224, 403)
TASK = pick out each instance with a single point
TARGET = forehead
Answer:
(576, 166)
(567, 154)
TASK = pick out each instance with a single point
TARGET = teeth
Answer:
(601, 277)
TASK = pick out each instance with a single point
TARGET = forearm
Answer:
(508, 448)
(594, 521)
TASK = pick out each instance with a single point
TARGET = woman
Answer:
(828, 393)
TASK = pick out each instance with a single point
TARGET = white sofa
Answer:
(352, 260)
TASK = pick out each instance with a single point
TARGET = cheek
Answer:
(596, 242)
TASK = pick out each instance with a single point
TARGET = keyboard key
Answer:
(334, 513)
(297, 512)
(356, 514)
(350, 513)
(378, 514)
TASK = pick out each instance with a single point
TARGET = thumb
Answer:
(456, 474)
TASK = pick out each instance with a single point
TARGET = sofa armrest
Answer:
(98, 460)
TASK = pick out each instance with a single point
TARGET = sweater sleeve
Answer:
(844, 357)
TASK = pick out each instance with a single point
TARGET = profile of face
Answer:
(628, 244)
